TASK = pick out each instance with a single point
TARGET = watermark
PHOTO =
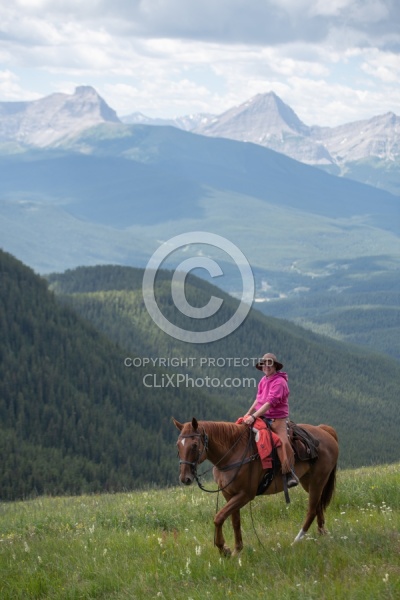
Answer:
(175, 380)
(177, 286)
(190, 361)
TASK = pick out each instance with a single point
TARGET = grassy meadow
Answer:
(159, 544)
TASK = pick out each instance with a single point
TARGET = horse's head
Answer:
(192, 449)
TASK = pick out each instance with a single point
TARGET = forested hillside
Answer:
(331, 382)
(360, 304)
(72, 417)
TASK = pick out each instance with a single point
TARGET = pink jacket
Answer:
(275, 390)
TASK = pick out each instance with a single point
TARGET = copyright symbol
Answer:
(177, 289)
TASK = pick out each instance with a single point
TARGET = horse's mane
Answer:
(223, 433)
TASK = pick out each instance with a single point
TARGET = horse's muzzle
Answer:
(186, 479)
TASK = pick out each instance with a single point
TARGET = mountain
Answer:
(266, 120)
(367, 151)
(138, 118)
(98, 189)
(43, 122)
(115, 192)
(187, 122)
(378, 137)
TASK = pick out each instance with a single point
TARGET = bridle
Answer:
(204, 438)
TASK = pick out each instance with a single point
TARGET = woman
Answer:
(272, 404)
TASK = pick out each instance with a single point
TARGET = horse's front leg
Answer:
(232, 507)
(237, 532)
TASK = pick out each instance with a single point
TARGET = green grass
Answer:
(159, 544)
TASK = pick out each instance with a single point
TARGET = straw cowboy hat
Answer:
(269, 357)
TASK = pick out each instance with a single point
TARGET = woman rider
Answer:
(272, 404)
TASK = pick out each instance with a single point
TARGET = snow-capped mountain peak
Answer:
(266, 120)
(45, 121)
(259, 118)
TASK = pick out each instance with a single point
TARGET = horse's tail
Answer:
(330, 485)
(330, 430)
(328, 490)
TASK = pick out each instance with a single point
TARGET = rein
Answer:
(244, 460)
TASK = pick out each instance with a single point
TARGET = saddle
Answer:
(305, 445)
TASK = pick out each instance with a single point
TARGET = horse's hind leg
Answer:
(321, 519)
(315, 488)
(305, 482)
(314, 496)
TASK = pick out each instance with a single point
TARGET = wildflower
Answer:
(187, 566)
(386, 578)
(198, 550)
(26, 547)
(240, 562)
(39, 560)
(105, 551)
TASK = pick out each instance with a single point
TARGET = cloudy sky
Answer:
(332, 61)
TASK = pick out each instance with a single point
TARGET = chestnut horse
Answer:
(238, 473)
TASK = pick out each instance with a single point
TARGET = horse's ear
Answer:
(177, 424)
(195, 424)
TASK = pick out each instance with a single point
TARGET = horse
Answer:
(238, 471)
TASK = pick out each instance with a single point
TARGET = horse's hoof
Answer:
(322, 531)
(299, 537)
(225, 551)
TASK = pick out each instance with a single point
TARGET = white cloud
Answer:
(179, 94)
(10, 88)
(328, 59)
(384, 66)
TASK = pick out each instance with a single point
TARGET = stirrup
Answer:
(291, 479)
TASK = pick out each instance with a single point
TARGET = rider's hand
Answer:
(249, 419)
